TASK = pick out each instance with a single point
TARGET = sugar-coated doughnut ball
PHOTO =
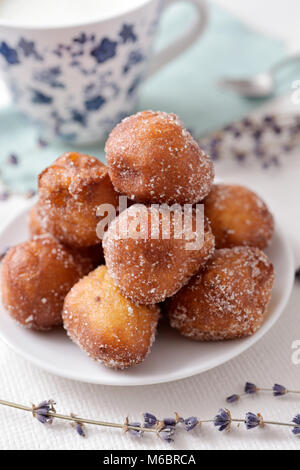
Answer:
(147, 262)
(93, 254)
(227, 299)
(152, 158)
(238, 217)
(106, 325)
(70, 191)
(35, 278)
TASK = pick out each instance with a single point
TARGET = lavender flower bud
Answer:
(41, 418)
(42, 143)
(30, 194)
(250, 388)
(253, 421)
(169, 421)
(277, 129)
(223, 420)
(79, 429)
(268, 119)
(296, 420)
(135, 432)
(167, 433)
(4, 195)
(257, 134)
(190, 423)
(233, 399)
(12, 159)
(296, 429)
(279, 390)
(41, 411)
(149, 420)
(3, 253)
(46, 404)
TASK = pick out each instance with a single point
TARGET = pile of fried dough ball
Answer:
(109, 293)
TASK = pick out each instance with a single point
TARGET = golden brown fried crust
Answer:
(106, 325)
(152, 158)
(147, 270)
(36, 276)
(238, 217)
(70, 191)
(90, 254)
(227, 299)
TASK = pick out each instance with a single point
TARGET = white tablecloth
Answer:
(267, 362)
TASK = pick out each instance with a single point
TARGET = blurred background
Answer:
(243, 38)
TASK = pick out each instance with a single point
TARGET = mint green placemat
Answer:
(187, 86)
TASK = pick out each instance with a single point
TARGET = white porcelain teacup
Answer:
(77, 70)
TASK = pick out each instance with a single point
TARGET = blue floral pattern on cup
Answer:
(82, 82)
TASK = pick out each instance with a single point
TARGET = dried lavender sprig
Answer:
(77, 419)
(275, 423)
(264, 139)
(79, 427)
(222, 420)
(251, 389)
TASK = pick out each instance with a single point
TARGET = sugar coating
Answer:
(70, 191)
(149, 270)
(36, 276)
(238, 217)
(151, 157)
(92, 255)
(106, 325)
(227, 299)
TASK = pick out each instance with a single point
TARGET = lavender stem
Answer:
(79, 420)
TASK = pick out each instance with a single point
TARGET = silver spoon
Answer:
(261, 85)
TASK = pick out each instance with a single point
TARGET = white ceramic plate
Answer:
(173, 357)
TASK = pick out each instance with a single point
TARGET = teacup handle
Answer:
(184, 41)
